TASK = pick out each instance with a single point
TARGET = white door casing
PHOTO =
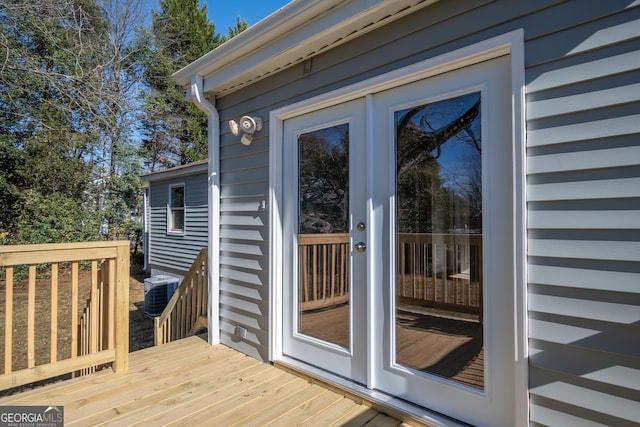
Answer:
(503, 399)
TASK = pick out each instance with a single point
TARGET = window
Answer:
(175, 209)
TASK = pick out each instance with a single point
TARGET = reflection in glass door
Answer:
(325, 281)
(399, 242)
(323, 235)
(439, 235)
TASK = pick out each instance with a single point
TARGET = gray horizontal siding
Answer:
(172, 253)
(583, 121)
(583, 187)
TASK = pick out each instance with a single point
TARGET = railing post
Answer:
(157, 331)
(121, 326)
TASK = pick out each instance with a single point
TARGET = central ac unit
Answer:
(156, 293)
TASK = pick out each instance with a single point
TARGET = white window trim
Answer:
(170, 229)
(511, 44)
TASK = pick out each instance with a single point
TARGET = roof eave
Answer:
(292, 34)
(200, 166)
(262, 33)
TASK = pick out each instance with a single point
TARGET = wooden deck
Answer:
(446, 346)
(188, 382)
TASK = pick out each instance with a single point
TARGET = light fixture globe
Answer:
(250, 124)
(235, 129)
(247, 125)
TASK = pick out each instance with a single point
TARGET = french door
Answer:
(325, 294)
(399, 253)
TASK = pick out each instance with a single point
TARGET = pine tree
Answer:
(176, 131)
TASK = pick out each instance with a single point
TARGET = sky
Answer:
(224, 13)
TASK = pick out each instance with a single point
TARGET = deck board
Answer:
(189, 382)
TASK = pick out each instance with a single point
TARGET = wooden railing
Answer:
(436, 270)
(54, 309)
(441, 271)
(324, 270)
(186, 313)
(94, 333)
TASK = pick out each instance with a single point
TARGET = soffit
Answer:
(289, 36)
(199, 166)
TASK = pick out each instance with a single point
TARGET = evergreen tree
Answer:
(236, 29)
(70, 83)
(175, 129)
(11, 160)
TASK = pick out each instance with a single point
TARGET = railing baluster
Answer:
(323, 272)
(437, 265)
(194, 300)
(31, 317)
(457, 269)
(205, 288)
(314, 252)
(54, 313)
(415, 259)
(425, 270)
(180, 316)
(334, 287)
(203, 296)
(74, 309)
(305, 273)
(93, 332)
(111, 305)
(344, 272)
(8, 321)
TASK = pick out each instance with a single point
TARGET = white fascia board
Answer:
(289, 36)
(177, 172)
(255, 37)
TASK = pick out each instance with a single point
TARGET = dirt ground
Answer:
(140, 325)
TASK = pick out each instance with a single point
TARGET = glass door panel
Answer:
(325, 279)
(438, 307)
(445, 223)
(323, 235)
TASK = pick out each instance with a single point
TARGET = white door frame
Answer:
(511, 44)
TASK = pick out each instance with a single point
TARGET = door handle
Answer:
(360, 247)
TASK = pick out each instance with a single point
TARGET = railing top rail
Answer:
(320, 238)
(440, 234)
(61, 246)
(59, 252)
(439, 237)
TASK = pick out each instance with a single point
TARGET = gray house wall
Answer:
(169, 253)
(582, 74)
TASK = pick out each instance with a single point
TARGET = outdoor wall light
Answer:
(248, 126)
